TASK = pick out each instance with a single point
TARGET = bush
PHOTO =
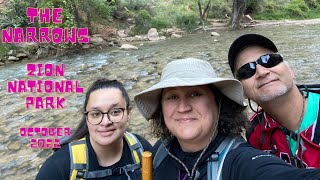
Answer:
(255, 6)
(142, 23)
(219, 9)
(187, 20)
(312, 4)
(160, 22)
(16, 14)
(297, 8)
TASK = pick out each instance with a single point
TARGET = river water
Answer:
(138, 69)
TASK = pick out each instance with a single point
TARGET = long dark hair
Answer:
(232, 120)
(82, 129)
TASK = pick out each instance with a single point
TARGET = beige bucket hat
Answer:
(187, 72)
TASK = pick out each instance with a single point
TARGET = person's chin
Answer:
(187, 135)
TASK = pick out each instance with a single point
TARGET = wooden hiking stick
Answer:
(146, 165)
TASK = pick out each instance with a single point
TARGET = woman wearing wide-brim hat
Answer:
(200, 118)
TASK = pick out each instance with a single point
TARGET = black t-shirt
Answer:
(243, 162)
(57, 167)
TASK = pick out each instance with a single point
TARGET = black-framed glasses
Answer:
(268, 61)
(95, 117)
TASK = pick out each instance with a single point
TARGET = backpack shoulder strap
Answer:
(135, 146)
(78, 158)
(159, 156)
(215, 162)
(310, 87)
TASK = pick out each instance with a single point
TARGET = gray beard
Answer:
(281, 90)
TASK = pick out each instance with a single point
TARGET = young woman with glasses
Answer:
(100, 147)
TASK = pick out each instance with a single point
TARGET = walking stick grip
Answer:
(147, 165)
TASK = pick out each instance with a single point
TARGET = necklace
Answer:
(302, 111)
(300, 122)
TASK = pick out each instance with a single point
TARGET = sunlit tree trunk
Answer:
(203, 13)
(238, 9)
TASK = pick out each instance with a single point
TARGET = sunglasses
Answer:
(268, 61)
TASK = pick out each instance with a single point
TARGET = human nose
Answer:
(261, 71)
(184, 105)
(105, 120)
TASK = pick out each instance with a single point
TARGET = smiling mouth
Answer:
(266, 83)
(106, 133)
(186, 119)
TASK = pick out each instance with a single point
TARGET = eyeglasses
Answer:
(95, 117)
(268, 61)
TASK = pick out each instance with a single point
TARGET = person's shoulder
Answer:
(56, 166)
(245, 153)
(145, 144)
(156, 146)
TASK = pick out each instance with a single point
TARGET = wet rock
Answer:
(14, 145)
(140, 38)
(247, 18)
(214, 34)
(176, 36)
(128, 46)
(162, 38)
(13, 58)
(153, 34)
(10, 52)
(97, 40)
(42, 52)
(1, 64)
(22, 55)
(121, 33)
(86, 46)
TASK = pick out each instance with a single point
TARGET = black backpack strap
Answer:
(159, 156)
(111, 172)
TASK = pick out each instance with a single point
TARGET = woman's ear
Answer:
(129, 110)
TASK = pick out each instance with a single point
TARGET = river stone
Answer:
(153, 34)
(176, 36)
(128, 46)
(86, 46)
(22, 55)
(14, 145)
(1, 63)
(97, 40)
(10, 52)
(13, 58)
(122, 34)
(215, 34)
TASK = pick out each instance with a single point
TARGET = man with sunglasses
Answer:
(287, 120)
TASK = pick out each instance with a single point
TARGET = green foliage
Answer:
(4, 49)
(312, 4)
(142, 24)
(98, 9)
(67, 15)
(297, 8)
(15, 15)
(135, 4)
(255, 6)
(284, 9)
(187, 20)
(160, 22)
(220, 8)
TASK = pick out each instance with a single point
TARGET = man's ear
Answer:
(290, 71)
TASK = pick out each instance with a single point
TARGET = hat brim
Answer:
(148, 100)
